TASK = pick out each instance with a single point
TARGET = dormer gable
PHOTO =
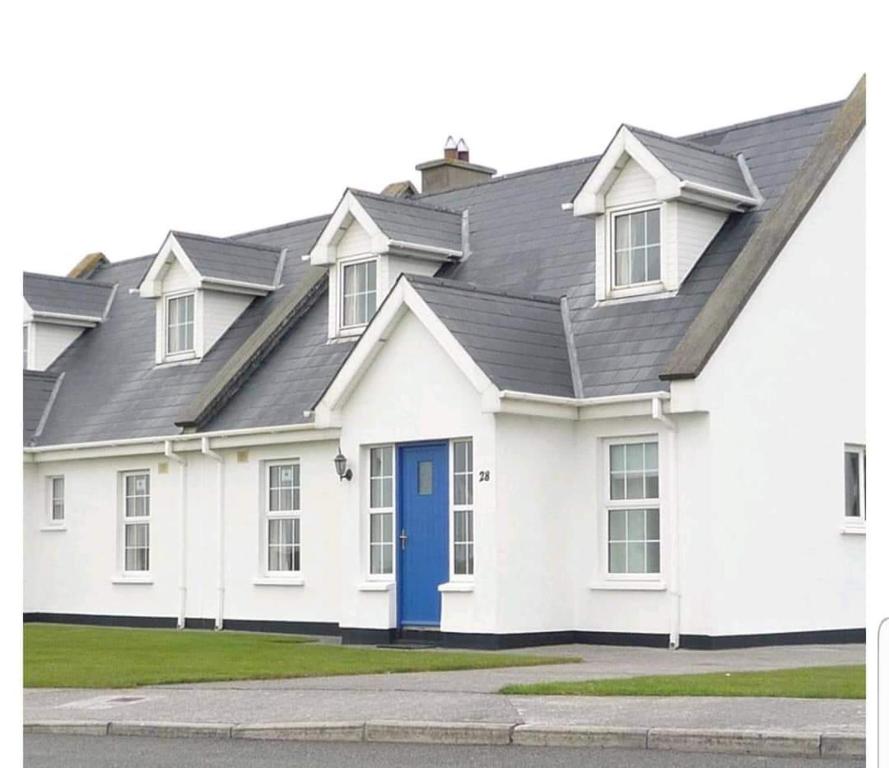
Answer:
(56, 311)
(657, 203)
(370, 240)
(201, 285)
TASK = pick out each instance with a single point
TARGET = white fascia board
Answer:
(324, 251)
(402, 299)
(420, 251)
(235, 286)
(574, 408)
(191, 441)
(716, 198)
(63, 318)
(590, 200)
(150, 286)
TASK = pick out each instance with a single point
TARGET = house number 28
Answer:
(484, 475)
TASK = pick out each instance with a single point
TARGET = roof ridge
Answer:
(63, 279)
(764, 120)
(515, 174)
(403, 201)
(682, 141)
(462, 285)
(125, 261)
(225, 241)
(274, 227)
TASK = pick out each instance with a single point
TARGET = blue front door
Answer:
(422, 535)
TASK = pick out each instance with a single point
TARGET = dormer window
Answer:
(180, 326)
(369, 241)
(359, 299)
(637, 248)
(657, 203)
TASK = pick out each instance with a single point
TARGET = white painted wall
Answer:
(784, 392)
(220, 310)
(48, 341)
(399, 400)
(633, 185)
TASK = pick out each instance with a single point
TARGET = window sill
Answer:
(628, 585)
(53, 528)
(184, 361)
(457, 586)
(376, 586)
(279, 581)
(133, 580)
(854, 529)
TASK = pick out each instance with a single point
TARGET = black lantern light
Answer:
(339, 461)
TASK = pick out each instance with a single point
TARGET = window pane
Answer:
(650, 452)
(622, 232)
(635, 557)
(651, 487)
(617, 558)
(387, 559)
(653, 524)
(424, 478)
(617, 525)
(618, 487)
(635, 454)
(617, 455)
(637, 265)
(636, 524)
(371, 279)
(461, 559)
(637, 229)
(653, 557)
(654, 226)
(622, 268)
(853, 484)
(653, 258)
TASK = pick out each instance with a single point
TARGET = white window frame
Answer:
(860, 521)
(51, 498)
(135, 520)
(631, 289)
(185, 354)
(607, 503)
(454, 508)
(288, 514)
(357, 328)
(371, 511)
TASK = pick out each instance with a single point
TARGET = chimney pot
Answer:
(450, 149)
(462, 151)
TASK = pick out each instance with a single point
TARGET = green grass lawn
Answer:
(846, 682)
(59, 656)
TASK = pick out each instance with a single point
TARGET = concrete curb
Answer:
(746, 742)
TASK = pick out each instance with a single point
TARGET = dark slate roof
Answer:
(66, 295)
(518, 341)
(522, 242)
(694, 162)
(413, 222)
(37, 389)
(222, 258)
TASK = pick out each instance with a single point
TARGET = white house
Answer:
(614, 400)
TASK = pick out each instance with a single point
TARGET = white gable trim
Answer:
(349, 210)
(623, 147)
(152, 284)
(402, 299)
(590, 200)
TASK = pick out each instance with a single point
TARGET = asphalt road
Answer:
(108, 751)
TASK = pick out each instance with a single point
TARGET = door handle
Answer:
(403, 539)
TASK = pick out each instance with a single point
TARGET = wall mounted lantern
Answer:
(339, 461)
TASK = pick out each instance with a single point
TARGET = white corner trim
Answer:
(133, 580)
(376, 586)
(628, 585)
(457, 586)
(279, 581)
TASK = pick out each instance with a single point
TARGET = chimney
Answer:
(453, 170)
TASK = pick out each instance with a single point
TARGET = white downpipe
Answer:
(183, 531)
(220, 517)
(674, 591)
